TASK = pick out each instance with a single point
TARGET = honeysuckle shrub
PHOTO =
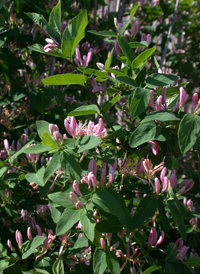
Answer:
(114, 186)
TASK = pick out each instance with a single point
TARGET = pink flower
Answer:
(111, 175)
(76, 188)
(152, 237)
(18, 238)
(195, 99)
(157, 185)
(92, 167)
(134, 29)
(183, 97)
(50, 46)
(155, 148)
(103, 244)
(29, 234)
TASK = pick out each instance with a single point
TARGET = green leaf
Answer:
(105, 33)
(106, 227)
(162, 214)
(40, 49)
(160, 80)
(187, 133)
(85, 110)
(41, 21)
(160, 115)
(127, 81)
(42, 126)
(145, 211)
(36, 178)
(74, 33)
(99, 261)
(52, 166)
(55, 20)
(144, 133)
(69, 218)
(80, 243)
(20, 151)
(111, 103)
(62, 199)
(112, 203)
(195, 262)
(37, 241)
(134, 45)
(58, 267)
(139, 102)
(169, 268)
(70, 164)
(175, 210)
(116, 72)
(112, 262)
(48, 140)
(151, 269)
(142, 57)
(109, 60)
(3, 170)
(132, 13)
(87, 142)
(88, 223)
(126, 49)
(65, 79)
(37, 149)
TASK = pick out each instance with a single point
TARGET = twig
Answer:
(169, 34)
(99, 107)
(52, 64)
(121, 10)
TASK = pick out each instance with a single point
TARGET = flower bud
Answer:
(73, 197)
(117, 48)
(10, 245)
(76, 188)
(134, 29)
(152, 237)
(79, 204)
(183, 97)
(194, 101)
(89, 57)
(103, 244)
(92, 167)
(157, 185)
(29, 234)
(18, 238)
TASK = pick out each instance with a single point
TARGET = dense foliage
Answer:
(99, 158)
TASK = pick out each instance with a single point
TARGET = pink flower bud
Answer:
(109, 236)
(103, 174)
(165, 184)
(151, 102)
(92, 180)
(173, 181)
(98, 89)
(111, 175)
(117, 48)
(93, 82)
(181, 190)
(157, 185)
(188, 183)
(178, 244)
(152, 237)
(73, 197)
(134, 29)
(195, 99)
(89, 56)
(183, 97)
(53, 128)
(18, 238)
(185, 201)
(92, 167)
(39, 230)
(162, 174)
(10, 245)
(114, 246)
(182, 252)
(161, 238)
(29, 234)
(79, 204)
(6, 145)
(140, 167)
(164, 96)
(78, 59)
(103, 244)
(159, 103)
(58, 137)
(148, 40)
(76, 188)
(100, 66)
(156, 147)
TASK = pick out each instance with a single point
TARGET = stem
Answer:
(169, 34)
(99, 107)
(52, 64)
(121, 10)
